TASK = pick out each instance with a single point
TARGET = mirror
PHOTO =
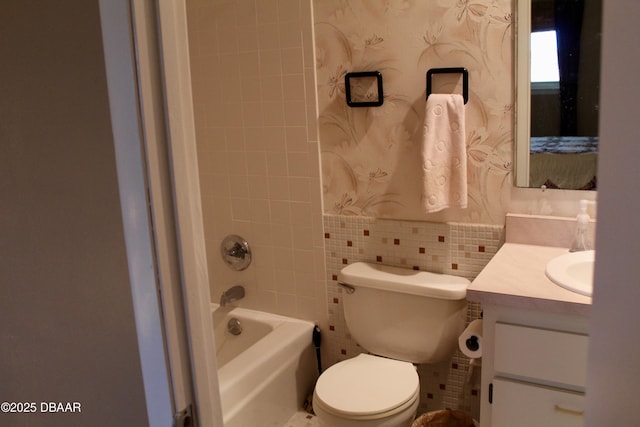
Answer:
(557, 93)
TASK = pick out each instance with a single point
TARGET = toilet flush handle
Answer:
(348, 288)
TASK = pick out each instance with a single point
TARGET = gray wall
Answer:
(67, 329)
(614, 353)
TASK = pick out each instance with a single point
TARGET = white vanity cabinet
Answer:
(534, 368)
(534, 343)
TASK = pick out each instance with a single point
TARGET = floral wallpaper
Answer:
(371, 162)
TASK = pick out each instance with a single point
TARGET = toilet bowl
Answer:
(400, 317)
(367, 391)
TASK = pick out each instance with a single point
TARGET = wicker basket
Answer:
(444, 418)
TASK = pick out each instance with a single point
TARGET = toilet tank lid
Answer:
(397, 279)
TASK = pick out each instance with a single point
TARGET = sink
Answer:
(573, 271)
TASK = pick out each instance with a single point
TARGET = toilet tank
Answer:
(409, 315)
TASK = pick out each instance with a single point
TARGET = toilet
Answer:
(400, 317)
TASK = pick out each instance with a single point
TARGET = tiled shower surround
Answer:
(451, 248)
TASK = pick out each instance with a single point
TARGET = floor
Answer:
(302, 419)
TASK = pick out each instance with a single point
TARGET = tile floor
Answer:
(302, 419)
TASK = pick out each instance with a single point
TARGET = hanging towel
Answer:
(444, 154)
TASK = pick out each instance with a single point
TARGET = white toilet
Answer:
(401, 317)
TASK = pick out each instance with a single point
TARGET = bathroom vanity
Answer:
(535, 333)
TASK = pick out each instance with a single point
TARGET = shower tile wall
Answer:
(254, 99)
(451, 248)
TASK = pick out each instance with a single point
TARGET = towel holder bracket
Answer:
(452, 70)
(363, 74)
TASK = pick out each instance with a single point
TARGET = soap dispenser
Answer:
(581, 242)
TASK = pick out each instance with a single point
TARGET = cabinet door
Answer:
(541, 354)
(530, 405)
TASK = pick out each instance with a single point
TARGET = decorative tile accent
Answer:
(451, 248)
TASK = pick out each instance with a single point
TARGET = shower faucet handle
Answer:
(235, 252)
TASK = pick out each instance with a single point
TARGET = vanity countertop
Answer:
(515, 277)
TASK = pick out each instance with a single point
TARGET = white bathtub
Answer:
(267, 371)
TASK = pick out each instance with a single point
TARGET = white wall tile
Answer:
(289, 35)
(241, 209)
(285, 281)
(268, 36)
(295, 113)
(258, 188)
(247, 57)
(297, 139)
(271, 88)
(246, 13)
(286, 304)
(276, 163)
(278, 187)
(302, 236)
(267, 11)
(299, 164)
(292, 61)
(300, 189)
(256, 163)
(281, 236)
(252, 115)
(293, 87)
(273, 113)
(270, 62)
(247, 38)
(289, 11)
(280, 212)
(259, 210)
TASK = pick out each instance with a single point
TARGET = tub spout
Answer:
(232, 294)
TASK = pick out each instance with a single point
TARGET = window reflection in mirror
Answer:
(544, 59)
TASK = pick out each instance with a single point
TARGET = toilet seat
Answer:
(367, 387)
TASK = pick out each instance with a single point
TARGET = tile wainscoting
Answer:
(450, 248)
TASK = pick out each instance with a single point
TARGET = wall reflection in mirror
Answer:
(557, 116)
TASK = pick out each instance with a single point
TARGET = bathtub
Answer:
(267, 371)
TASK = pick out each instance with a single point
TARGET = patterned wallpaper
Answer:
(371, 156)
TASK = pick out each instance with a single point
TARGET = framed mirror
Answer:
(557, 93)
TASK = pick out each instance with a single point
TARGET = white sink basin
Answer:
(573, 271)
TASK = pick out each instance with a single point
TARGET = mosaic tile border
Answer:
(450, 248)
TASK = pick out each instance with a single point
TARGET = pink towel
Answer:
(444, 154)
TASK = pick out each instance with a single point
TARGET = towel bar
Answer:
(461, 70)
